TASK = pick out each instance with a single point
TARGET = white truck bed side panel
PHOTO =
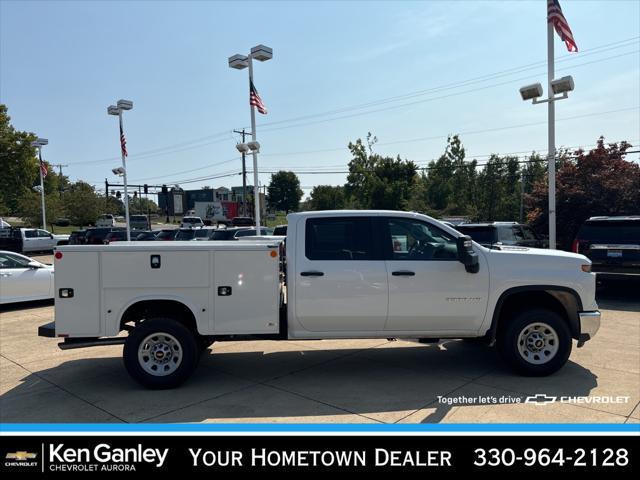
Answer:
(78, 316)
(252, 306)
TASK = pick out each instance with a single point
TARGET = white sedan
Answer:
(23, 279)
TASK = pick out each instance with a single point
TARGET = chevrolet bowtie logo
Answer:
(21, 456)
(540, 399)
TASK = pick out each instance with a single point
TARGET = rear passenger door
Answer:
(340, 277)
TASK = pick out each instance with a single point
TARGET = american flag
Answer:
(255, 100)
(555, 16)
(43, 166)
(123, 142)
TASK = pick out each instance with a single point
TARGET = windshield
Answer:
(613, 231)
(201, 233)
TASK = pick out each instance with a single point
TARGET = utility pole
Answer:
(60, 167)
(244, 176)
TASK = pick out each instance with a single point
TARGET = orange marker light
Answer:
(274, 254)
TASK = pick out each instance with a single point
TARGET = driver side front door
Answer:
(429, 289)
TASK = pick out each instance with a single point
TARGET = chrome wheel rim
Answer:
(160, 354)
(538, 343)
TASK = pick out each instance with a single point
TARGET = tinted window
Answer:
(30, 234)
(220, 235)
(416, 240)
(620, 231)
(204, 233)
(280, 230)
(139, 218)
(166, 234)
(12, 261)
(348, 238)
(249, 233)
(483, 235)
(185, 235)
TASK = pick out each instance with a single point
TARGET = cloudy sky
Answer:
(409, 72)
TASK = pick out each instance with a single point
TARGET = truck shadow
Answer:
(619, 295)
(291, 383)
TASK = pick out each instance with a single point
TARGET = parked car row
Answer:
(612, 243)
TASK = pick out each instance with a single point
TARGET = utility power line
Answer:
(216, 138)
(397, 141)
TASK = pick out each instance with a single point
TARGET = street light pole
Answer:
(44, 214)
(124, 178)
(551, 152)
(254, 152)
(239, 62)
(117, 109)
(39, 143)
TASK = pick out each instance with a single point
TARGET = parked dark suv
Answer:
(612, 244)
(498, 234)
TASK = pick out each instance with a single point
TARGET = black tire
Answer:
(183, 342)
(509, 342)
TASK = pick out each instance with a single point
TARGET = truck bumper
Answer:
(47, 330)
(589, 325)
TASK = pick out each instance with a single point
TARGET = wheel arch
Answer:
(139, 310)
(563, 300)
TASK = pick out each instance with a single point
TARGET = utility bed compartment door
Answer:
(246, 292)
(79, 315)
(133, 269)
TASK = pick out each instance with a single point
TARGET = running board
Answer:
(70, 343)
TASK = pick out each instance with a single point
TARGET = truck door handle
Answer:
(403, 273)
(312, 273)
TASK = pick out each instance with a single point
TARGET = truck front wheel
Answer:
(536, 342)
(161, 353)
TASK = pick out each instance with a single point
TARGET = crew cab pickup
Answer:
(32, 239)
(337, 275)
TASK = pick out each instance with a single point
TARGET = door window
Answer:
(416, 240)
(43, 234)
(339, 238)
(528, 234)
(30, 234)
(12, 261)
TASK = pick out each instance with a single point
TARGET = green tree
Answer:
(378, 182)
(284, 192)
(326, 197)
(82, 204)
(18, 165)
(598, 182)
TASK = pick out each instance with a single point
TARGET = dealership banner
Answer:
(52, 456)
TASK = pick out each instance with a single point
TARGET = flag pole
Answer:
(551, 152)
(124, 177)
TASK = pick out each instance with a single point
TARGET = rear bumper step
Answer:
(47, 330)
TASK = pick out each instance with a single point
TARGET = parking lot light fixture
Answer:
(117, 110)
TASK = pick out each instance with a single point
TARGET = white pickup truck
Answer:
(343, 274)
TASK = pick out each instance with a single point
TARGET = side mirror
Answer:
(33, 265)
(466, 255)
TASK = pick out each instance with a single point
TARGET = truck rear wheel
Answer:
(536, 342)
(161, 353)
